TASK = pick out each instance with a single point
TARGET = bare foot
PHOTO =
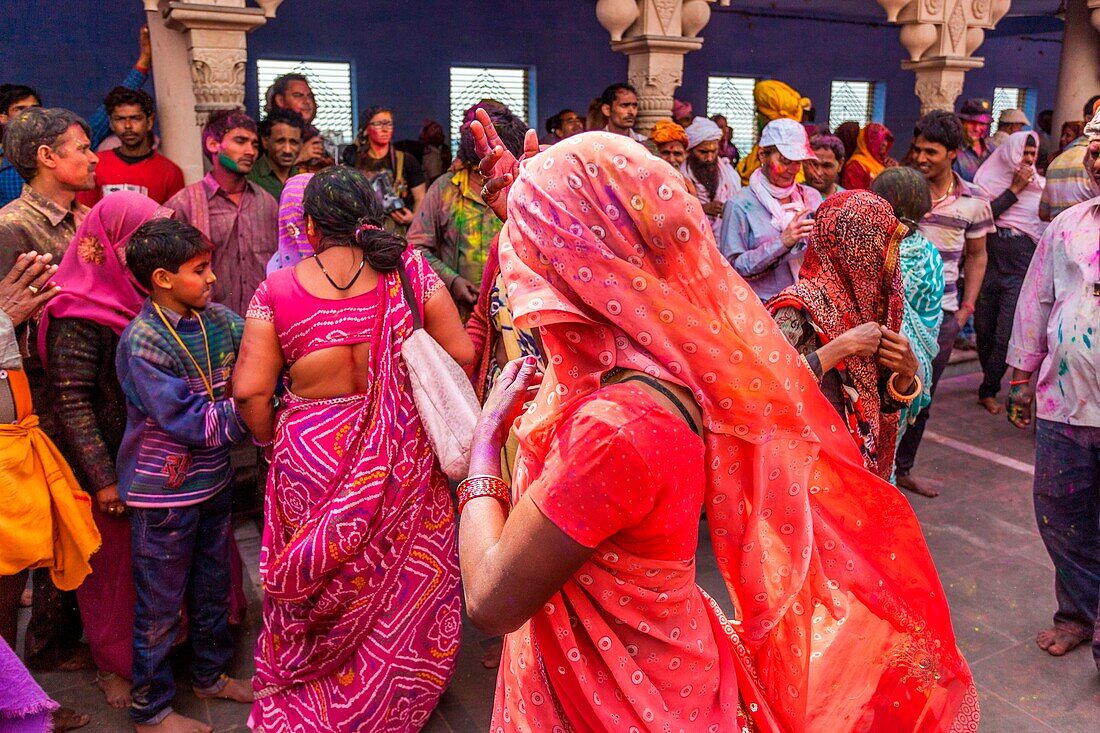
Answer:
(907, 482)
(174, 723)
(491, 660)
(68, 719)
(1056, 640)
(991, 404)
(235, 690)
(116, 689)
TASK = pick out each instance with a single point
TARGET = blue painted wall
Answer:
(74, 50)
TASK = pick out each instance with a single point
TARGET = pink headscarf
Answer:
(995, 176)
(95, 284)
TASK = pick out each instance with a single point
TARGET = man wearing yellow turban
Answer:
(774, 100)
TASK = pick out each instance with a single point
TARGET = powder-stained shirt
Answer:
(454, 228)
(35, 223)
(961, 216)
(752, 244)
(968, 162)
(244, 237)
(1057, 325)
(1068, 183)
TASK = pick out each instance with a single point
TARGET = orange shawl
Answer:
(844, 623)
(45, 518)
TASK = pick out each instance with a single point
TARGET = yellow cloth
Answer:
(774, 100)
(865, 157)
(45, 518)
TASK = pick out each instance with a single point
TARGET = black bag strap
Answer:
(610, 378)
(410, 298)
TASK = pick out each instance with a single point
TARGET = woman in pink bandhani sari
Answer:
(670, 388)
(361, 595)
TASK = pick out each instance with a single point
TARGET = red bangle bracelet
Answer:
(478, 486)
(1018, 382)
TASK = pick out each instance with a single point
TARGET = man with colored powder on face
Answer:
(713, 177)
(1056, 332)
(823, 174)
(237, 215)
(292, 91)
(281, 133)
(976, 116)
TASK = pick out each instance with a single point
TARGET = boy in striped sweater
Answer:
(174, 363)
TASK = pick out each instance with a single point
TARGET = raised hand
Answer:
(498, 165)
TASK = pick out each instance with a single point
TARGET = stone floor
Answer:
(982, 534)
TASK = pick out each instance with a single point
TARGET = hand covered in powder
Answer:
(498, 165)
(514, 386)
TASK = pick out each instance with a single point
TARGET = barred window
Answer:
(1008, 98)
(857, 101)
(511, 87)
(332, 87)
(731, 97)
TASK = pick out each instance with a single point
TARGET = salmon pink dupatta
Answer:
(842, 621)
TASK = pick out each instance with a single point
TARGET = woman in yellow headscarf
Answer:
(774, 100)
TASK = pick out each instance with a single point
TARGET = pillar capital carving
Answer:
(655, 35)
(941, 36)
(216, 48)
(940, 81)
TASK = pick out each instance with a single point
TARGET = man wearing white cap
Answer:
(1055, 333)
(716, 181)
(1010, 121)
(765, 226)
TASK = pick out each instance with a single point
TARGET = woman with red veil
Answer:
(669, 388)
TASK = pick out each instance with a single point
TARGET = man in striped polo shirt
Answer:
(957, 225)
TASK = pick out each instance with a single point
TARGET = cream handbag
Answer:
(444, 397)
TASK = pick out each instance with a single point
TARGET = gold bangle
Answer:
(897, 396)
(474, 487)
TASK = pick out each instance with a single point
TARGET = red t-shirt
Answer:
(155, 176)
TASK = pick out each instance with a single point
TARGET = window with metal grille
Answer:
(471, 84)
(856, 101)
(332, 88)
(1008, 98)
(731, 97)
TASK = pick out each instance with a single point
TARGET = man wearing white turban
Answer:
(716, 181)
(1054, 332)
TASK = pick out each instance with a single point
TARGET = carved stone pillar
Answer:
(655, 35)
(1079, 68)
(940, 36)
(199, 62)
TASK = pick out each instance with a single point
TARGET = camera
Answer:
(382, 185)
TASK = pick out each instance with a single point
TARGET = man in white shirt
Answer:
(1055, 332)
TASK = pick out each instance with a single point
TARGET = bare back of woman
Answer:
(340, 370)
